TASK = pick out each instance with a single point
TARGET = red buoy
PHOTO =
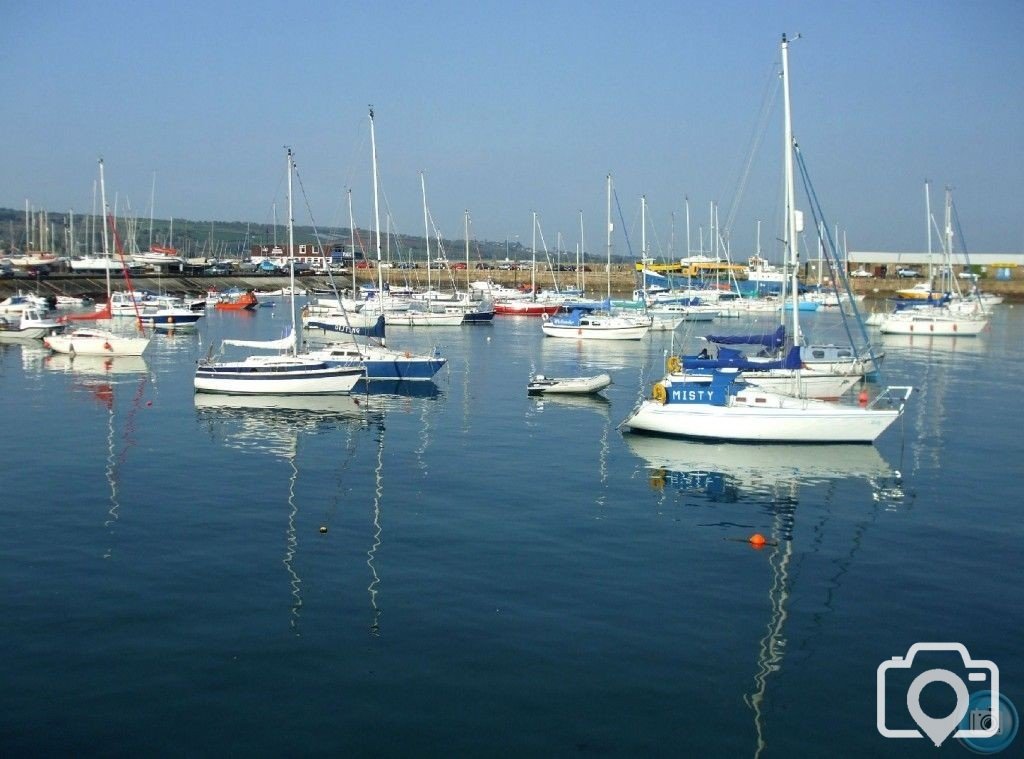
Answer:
(757, 540)
(863, 398)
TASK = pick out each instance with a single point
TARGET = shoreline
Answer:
(622, 282)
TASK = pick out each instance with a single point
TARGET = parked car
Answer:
(459, 265)
(861, 273)
(967, 275)
(363, 264)
(217, 270)
(907, 273)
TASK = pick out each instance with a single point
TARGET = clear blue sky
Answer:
(511, 108)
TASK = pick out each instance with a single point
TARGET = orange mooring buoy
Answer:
(863, 398)
(757, 540)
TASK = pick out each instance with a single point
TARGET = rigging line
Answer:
(312, 221)
(625, 232)
(771, 91)
(818, 215)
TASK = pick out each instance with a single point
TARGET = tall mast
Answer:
(291, 252)
(608, 243)
(467, 252)
(426, 226)
(533, 267)
(791, 212)
(152, 199)
(581, 258)
(352, 238)
(686, 198)
(376, 212)
(928, 225)
(106, 242)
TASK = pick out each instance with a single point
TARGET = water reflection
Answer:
(925, 344)
(772, 476)
(727, 471)
(270, 423)
(96, 366)
(279, 425)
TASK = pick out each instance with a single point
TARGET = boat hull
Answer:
(632, 332)
(246, 378)
(923, 324)
(525, 308)
(542, 385)
(96, 344)
(809, 422)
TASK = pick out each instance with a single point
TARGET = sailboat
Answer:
(584, 324)
(378, 361)
(285, 373)
(92, 340)
(937, 315)
(724, 407)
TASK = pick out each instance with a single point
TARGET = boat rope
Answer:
(771, 91)
(837, 272)
(625, 231)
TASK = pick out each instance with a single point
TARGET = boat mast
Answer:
(533, 266)
(643, 247)
(376, 213)
(608, 243)
(928, 225)
(106, 243)
(426, 226)
(686, 199)
(791, 212)
(352, 237)
(581, 261)
(467, 252)
(152, 199)
(291, 252)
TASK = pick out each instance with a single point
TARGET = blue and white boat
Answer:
(285, 373)
(586, 325)
(371, 353)
(724, 406)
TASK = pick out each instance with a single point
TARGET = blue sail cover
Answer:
(773, 341)
(732, 358)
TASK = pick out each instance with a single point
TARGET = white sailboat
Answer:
(958, 318)
(724, 407)
(92, 341)
(284, 373)
(582, 324)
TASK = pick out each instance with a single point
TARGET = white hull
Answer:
(421, 319)
(596, 333)
(910, 323)
(275, 375)
(96, 342)
(754, 416)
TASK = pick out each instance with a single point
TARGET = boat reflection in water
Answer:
(770, 476)
(724, 470)
(274, 424)
(95, 366)
(271, 423)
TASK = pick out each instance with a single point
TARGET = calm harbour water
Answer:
(499, 575)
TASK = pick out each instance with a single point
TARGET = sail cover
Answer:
(774, 340)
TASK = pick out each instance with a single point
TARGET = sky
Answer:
(510, 109)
